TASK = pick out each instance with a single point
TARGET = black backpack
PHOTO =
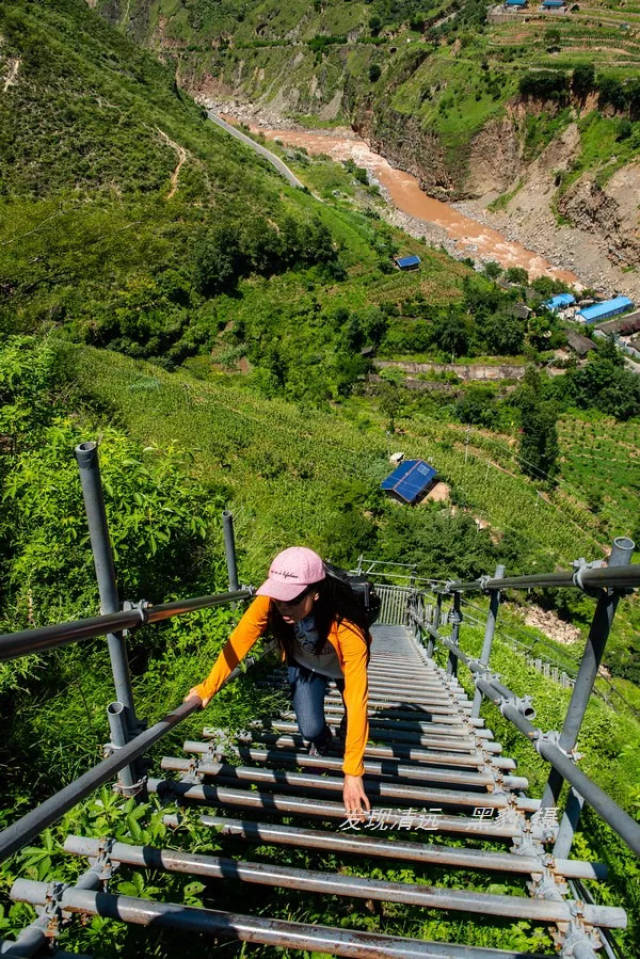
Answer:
(362, 588)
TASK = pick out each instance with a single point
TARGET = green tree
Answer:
(611, 92)
(374, 72)
(492, 269)
(583, 79)
(604, 383)
(477, 406)
(516, 274)
(449, 331)
(504, 334)
(217, 261)
(539, 449)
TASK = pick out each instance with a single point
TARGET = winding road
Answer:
(274, 160)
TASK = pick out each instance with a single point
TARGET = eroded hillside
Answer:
(531, 115)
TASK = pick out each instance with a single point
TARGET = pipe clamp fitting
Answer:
(523, 704)
(579, 567)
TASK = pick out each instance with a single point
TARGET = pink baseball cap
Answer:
(291, 572)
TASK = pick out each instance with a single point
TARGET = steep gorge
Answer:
(290, 68)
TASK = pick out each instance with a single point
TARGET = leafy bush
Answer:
(603, 383)
(477, 406)
(611, 92)
(583, 79)
(544, 85)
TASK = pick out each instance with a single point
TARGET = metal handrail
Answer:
(519, 711)
(13, 645)
(603, 577)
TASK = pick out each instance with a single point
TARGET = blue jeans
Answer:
(308, 690)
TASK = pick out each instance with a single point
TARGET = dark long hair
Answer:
(336, 603)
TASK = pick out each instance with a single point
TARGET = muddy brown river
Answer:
(471, 238)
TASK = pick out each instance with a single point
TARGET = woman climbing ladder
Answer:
(324, 636)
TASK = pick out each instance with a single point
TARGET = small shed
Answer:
(559, 302)
(407, 262)
(410, 481)
(624, 324)
(602, 311)
(581, 345)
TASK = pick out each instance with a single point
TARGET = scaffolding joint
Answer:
(52, 909)
(579, 567)
(547, 884)
(576, 938)
(552, 738)
(526, 845)
(523, 704)
(455, 617)
(142, 608)
(102, 864)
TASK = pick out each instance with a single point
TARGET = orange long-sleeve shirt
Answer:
(351, 649)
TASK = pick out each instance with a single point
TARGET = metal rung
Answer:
(377, 721)
(415, 685)
(423, 712)
(396, 703)
(471, 758)
(338, 884)
(276, 803)
(274, 932)
(434, 854)
(431, 714)
(376, 789)
(389, 767)
(452, 742)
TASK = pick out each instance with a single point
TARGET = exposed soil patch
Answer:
(12, 77)
(182, 156)
(546, 621)
(441, 493)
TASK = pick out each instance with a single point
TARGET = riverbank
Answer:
(534, 242)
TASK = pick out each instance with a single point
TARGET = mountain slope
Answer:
(464, 95)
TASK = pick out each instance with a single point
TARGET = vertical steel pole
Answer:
(596, 641)
(437, 616)
(117, 717)
(455, 618)
(230, 550)
(87, 457)
(489, 630)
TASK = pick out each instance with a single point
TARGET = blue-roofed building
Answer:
(410, 480)
(553, 4)
(515, 3)
(602, 311)
(559, 302)
(407, 262)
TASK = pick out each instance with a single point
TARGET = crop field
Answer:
(601, 460)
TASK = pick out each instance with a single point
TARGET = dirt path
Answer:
(12, 77)
(182, 156)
